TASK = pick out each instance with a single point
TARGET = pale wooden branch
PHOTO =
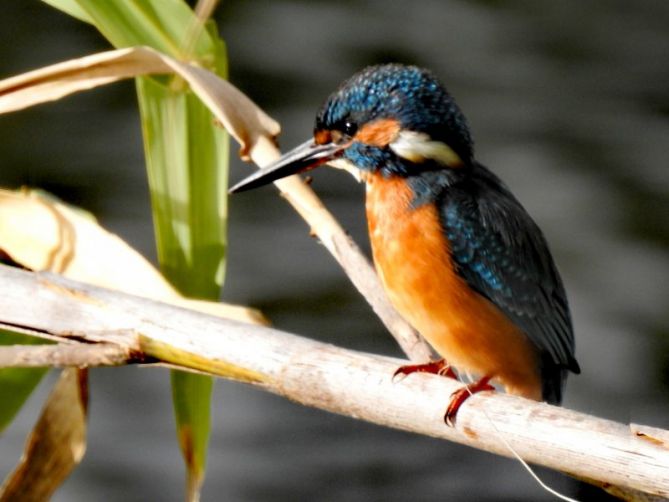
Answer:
(65, 355)
(342, 381)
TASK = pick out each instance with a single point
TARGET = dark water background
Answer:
(569, 104)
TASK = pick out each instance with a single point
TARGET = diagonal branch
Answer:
(339, 380)
(64, 355)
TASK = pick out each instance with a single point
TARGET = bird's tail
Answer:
(553, 377)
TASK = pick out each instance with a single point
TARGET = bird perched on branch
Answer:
(458, 255)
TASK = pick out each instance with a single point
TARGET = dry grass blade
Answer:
(42, 233)
(236, 112)
(56, 444)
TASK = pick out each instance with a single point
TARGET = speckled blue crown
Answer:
(409, 94)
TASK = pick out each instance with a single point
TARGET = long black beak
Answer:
(306, 156)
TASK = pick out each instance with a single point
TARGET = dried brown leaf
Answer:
(56, 444)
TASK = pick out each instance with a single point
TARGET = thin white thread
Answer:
(520, 459)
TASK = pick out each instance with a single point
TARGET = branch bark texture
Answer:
(335, 379)
(64, 355)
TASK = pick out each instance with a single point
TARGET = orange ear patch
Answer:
(322, 137)
(380, 132)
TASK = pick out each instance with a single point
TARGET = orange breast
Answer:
(413, 259)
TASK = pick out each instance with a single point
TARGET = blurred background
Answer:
(569, 104)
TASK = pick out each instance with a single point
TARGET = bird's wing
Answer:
(502, 254)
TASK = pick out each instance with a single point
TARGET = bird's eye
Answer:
(349, 129)
(344, 132)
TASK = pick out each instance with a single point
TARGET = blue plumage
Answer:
(401, 126)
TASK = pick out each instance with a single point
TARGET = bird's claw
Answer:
(461, 395)
(440, 367)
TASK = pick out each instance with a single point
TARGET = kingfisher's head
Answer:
(392, 119)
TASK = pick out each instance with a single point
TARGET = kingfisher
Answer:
(458, 255)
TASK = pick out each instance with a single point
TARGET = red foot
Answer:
(461, 395)
(440, 367)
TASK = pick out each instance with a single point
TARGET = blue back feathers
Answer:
(503, 255)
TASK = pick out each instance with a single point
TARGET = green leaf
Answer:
(165, 25)
(191, 396)
(187, 166)
(16, 384)
(187, 161)
(70, 7)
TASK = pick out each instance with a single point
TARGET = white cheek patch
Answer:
(348, 166)
(419, 147)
